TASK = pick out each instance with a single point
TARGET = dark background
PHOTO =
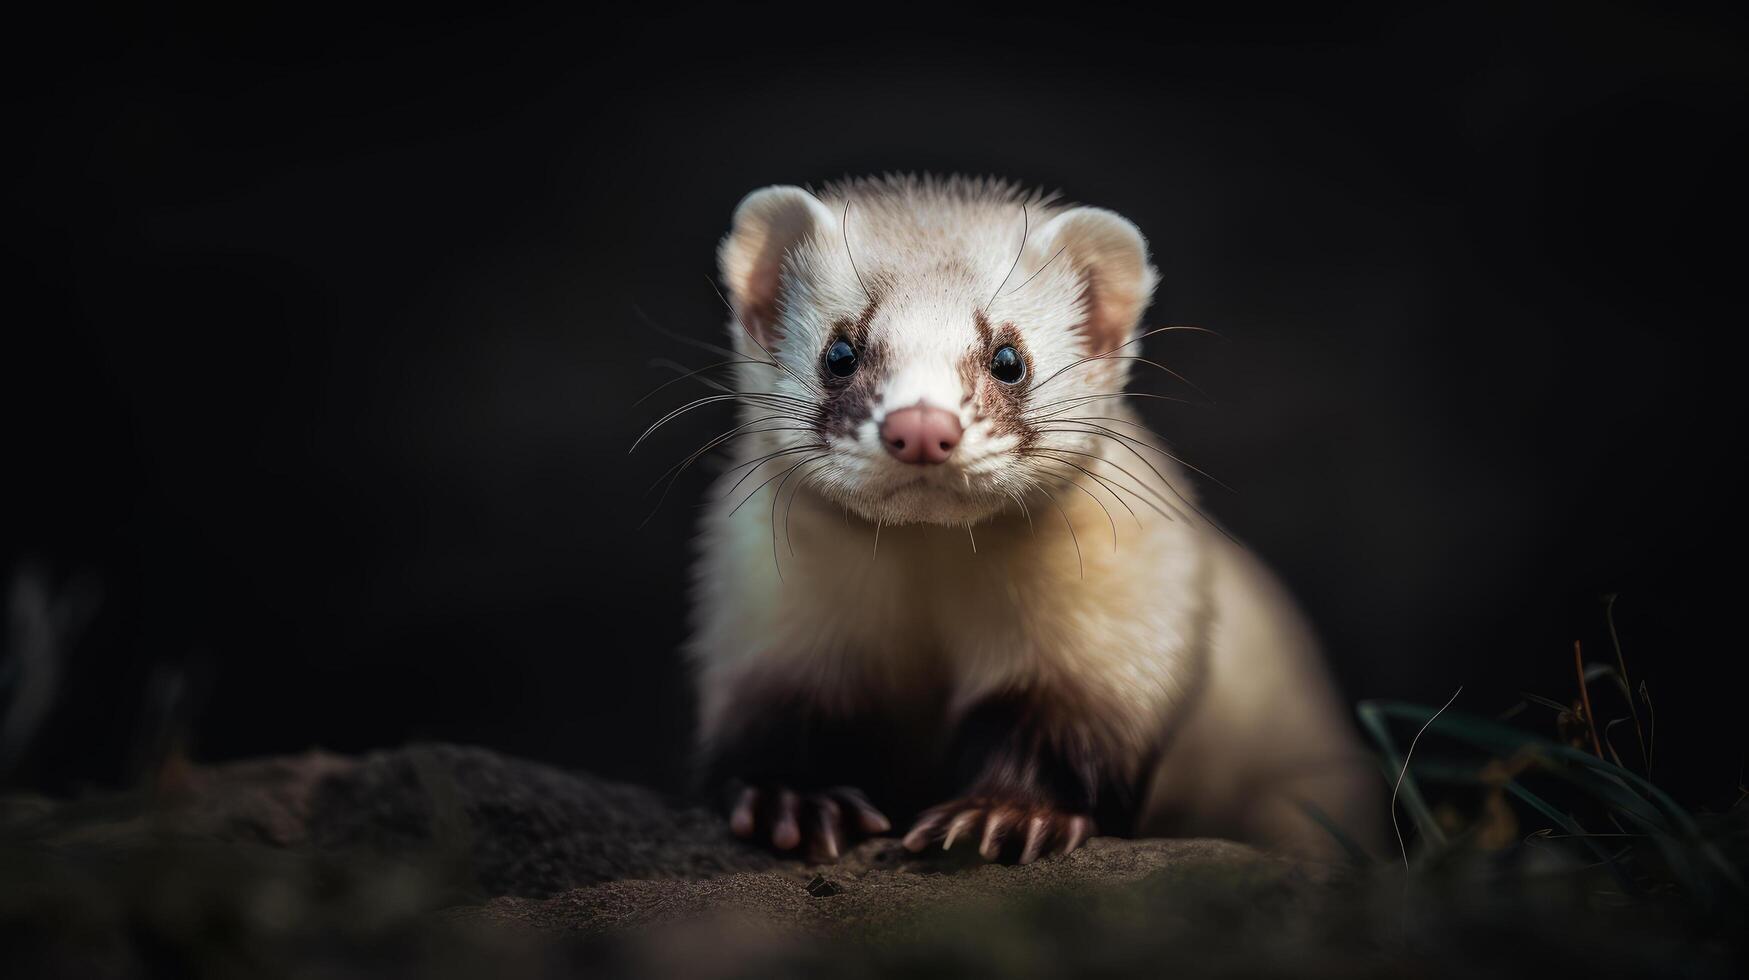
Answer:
(326, 339)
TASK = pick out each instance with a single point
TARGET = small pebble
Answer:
(822, 886)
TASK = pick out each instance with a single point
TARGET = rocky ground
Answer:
(447, 861)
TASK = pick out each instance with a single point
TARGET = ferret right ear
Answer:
(1111, 258)
(768, 224)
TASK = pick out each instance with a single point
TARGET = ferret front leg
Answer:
(1035, 780)
(783, 775)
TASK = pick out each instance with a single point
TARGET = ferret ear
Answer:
(768, 223)
(1111, 257)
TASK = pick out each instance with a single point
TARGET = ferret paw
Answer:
(1023, 831)
(823, 820)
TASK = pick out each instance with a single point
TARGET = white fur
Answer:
(1114, 597)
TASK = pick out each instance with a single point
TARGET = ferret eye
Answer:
(841, 359)
(1007, 365)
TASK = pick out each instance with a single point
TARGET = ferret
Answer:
(949, 576)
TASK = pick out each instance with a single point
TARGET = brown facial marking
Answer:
(1002, 405)
(985, 334)
(850, 400)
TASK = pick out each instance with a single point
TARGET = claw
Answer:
(1035, 839)
(1038, 828)
(1079, 830)
(868, 819)
(919, 836)
(960, 825)
(785, 833)
(827, 819)
(995, 828)
(741, 817)
(827, 848)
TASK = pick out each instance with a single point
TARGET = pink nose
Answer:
(920, 434)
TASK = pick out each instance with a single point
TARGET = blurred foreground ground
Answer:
(438, 861)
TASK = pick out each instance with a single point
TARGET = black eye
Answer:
(1007, 365)
(841, 359)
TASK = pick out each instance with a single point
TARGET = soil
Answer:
(439, 860)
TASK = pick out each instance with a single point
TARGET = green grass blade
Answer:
(1372, 718)
(1573, 829)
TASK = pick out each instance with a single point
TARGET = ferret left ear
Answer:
(1111, 257)
(768, 224)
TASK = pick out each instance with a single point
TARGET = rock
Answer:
(540, 841)
(436, 861)
(527, 829)
(535, 847)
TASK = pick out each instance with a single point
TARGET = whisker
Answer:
(1105, 482)
(773, 398)
(1073, 483)
(771, 455)
(765, 398)
(1145, 445)
(1041, 268)
(1156, 364)
(754, 463)
(716, 348)
(1091, 496)
(718, 440)
(1080, 564)
(1133, 340)
(679, 338)
(766, 483)
(676, 413)
(1079, 400)
(1017, 498)
(673, 473)
(777, 495)
(800, 484)
(1124, 441)
(1108, 418)
(771, 360)
(1130, 357)
(1025, 229)
(1139, 481)
(1169, 328)
(844, 227)
(1131, 490)
(687, 373)
(775, 360)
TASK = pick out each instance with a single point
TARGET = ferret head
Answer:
(915, 348)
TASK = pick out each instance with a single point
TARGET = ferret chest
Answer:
(919, 592)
